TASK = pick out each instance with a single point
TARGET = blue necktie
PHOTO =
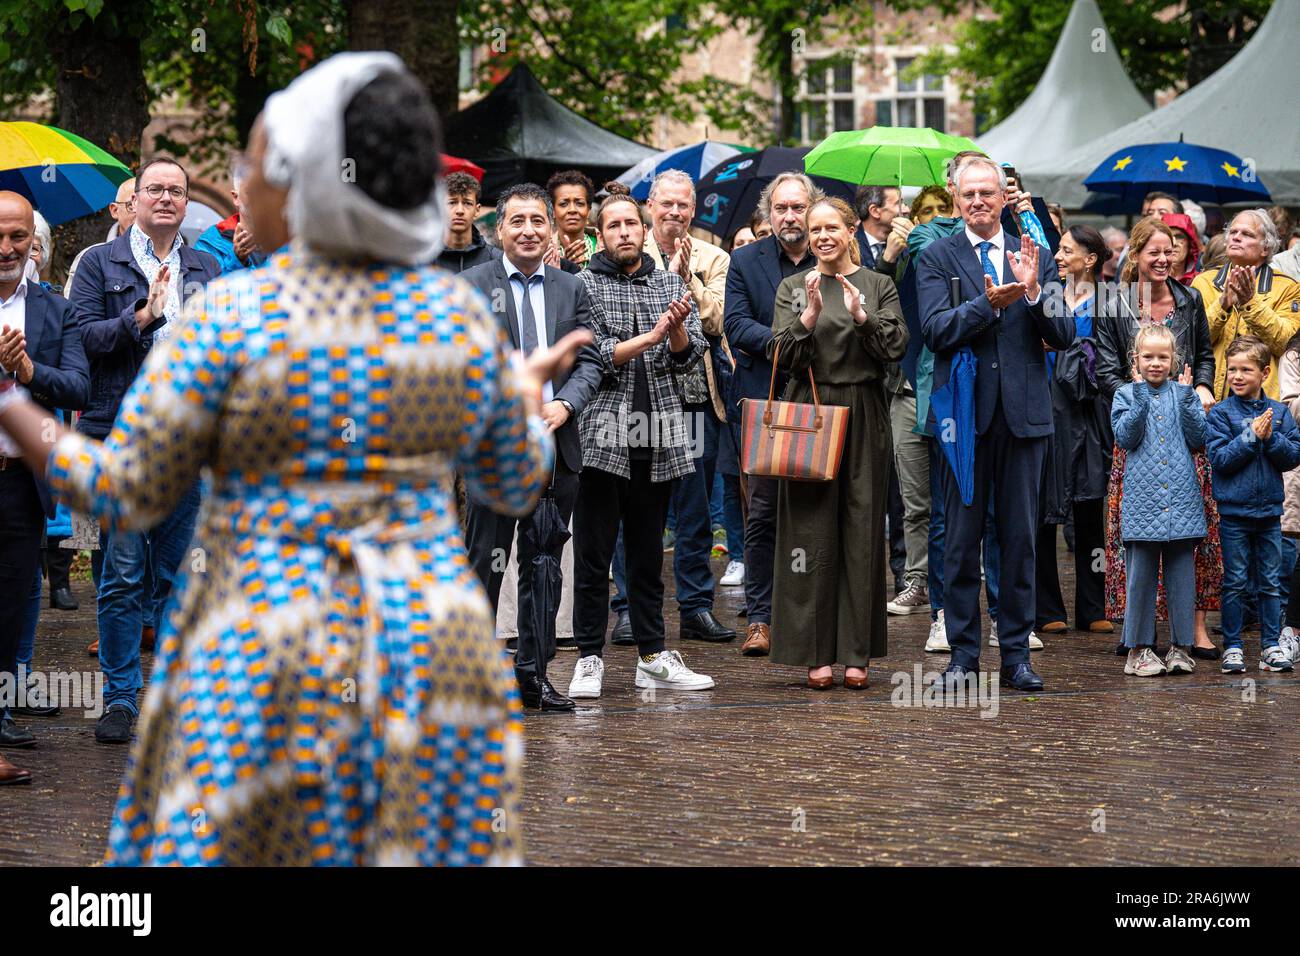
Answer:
(985, 261)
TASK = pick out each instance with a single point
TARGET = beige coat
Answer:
(708, 286)
(1289, 386)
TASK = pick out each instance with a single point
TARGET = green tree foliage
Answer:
(999, 59)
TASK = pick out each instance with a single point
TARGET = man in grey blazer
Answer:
(537, 306)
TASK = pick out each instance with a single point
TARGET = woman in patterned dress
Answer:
(327, 690)
(1161, 299)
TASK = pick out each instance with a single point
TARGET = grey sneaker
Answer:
(913, 599)
(1234, 662)
(1177, 661)
(1142, 662)
(1290, 644)
(1275, 659)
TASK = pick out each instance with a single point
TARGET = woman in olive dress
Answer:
(843, 323)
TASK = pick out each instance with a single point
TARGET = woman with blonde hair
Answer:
(838, 325)
(1149, 294)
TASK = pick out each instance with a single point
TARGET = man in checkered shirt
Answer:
(635, 441)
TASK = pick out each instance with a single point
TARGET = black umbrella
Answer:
(727, 195)
(547, 532)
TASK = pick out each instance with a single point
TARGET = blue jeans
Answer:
(1142, 565)
(1252, 558)
(27, 640)
(694, 531)
(138, 573)
(992, 556)
(733, 517)
(716, 517)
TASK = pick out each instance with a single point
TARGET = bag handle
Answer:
(771, 392)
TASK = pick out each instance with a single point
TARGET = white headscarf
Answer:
(304, 152)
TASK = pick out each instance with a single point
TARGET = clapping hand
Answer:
(1263, 426)
(681, 261)
(543, 364)
(13, 354)
(245, 244)
(1240, 287)
(1024, 266)
(552, 256)
(1001, 296)
(812, 287)
(852, 299)
(672, 318)
(576, 251)
(157, 301)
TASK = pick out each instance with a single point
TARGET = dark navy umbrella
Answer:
(1183, 169)
(953, 405)
(726, 197)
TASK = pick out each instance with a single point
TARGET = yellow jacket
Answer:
(708, 287)
(1272, 314)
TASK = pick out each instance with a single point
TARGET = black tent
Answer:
(519, 133)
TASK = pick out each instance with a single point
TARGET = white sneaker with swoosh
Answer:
(667, 670)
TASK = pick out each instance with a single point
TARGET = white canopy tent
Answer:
(1083, 94)
(1247, 107)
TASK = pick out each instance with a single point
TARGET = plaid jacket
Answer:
(603, 425)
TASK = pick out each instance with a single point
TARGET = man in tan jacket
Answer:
(703, 267)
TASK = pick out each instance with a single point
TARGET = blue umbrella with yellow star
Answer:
(1185, 170)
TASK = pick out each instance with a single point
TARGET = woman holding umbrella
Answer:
(838, 324)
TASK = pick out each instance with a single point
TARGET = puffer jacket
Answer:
(1118, 325)
(1159, 428)
(1288, 368)
(1246, 471)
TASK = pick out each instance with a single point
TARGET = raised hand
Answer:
(1024, 266)
(576, 251)
(1186, 377)
(552, 256)
(812, 286)
(544, 364)
(681, 263)
(1263, 426)
(852, 299)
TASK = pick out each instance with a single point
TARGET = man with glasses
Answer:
(129, 295)
(756, 270)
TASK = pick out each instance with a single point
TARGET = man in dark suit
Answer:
(996, 310)
(537, 305)
(756, 270)
(40, 349)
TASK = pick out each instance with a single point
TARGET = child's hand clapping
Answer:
(1186, 377)
(1263, 426)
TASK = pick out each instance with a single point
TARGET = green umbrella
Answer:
(886, 156)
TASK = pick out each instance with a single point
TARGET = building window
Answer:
(917, 101)
(826, 102)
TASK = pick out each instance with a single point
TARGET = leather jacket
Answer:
(1116, 326)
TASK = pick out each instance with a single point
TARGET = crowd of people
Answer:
(271, 426)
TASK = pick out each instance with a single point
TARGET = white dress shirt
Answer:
(13, 313)
(537, 295)
(998, 256)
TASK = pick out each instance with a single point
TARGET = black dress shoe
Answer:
(538, 694)
(11, 735)
(1021, 677)
(623, 630)
(38, 711)
(705, 627)
(61, 599)
(114, 726)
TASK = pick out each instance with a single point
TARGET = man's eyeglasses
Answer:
(155, 192)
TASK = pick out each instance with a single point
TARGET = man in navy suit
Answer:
(40, 348)
(756, 270)
(997, 312)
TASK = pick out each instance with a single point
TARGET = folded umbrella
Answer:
(953, 405)
(547, 532)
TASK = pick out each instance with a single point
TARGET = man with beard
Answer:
(756, 271)
(634, 446)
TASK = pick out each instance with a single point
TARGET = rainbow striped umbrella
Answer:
(61, 174)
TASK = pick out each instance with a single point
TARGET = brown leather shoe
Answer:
(147, 639)
(93, 649)
(1101, 627)
(758, 641)
(11, 774)
(857, 683)
(1055, 627)
(821, 683)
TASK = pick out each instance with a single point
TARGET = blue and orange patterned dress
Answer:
(328, 689)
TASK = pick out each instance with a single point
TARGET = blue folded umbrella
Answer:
(953, 405)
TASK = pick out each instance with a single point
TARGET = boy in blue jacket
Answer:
(1252, 441)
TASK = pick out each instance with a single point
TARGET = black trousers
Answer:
(1089, 568)
(760, 548)
(58, 564)
(488, 536)
(22, 523)
(642, 505)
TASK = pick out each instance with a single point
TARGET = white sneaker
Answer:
(734, 576)
(1142, 662)
(937, 642)
(588, 674)
(667, 670)
(1035, 642)
(1289, 641)
(1177, 661)
(1275, 659)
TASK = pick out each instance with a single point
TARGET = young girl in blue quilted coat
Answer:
(1159, 422)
